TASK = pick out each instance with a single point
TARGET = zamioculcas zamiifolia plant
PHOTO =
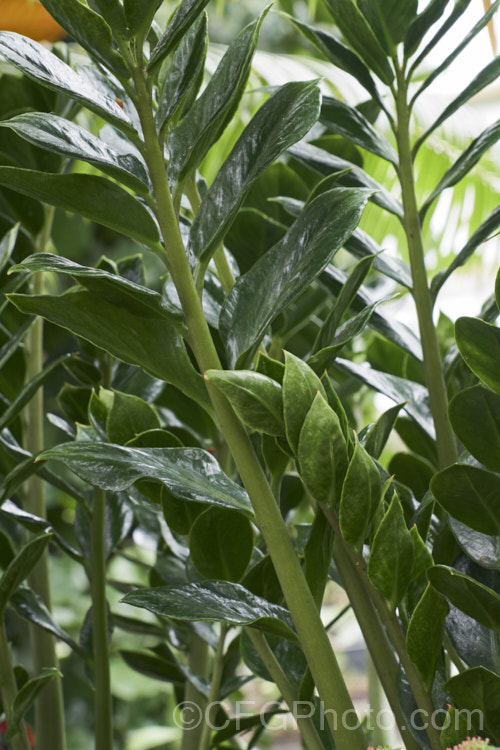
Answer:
(212, 408)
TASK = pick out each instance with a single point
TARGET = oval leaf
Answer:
(474, 414)
(361, 495)
(471, 495)
(467, 595)
(256, 398)
(424, 637)
(221, 543)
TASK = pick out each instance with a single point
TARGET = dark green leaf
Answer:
(179, 514)
(415, 396)
(326, 163)
(181, 20)
(221, 543)
(129, 321)
(112, 11)
(469, 596)
(358, 34)
(483, 549)
(300, 387)
(421, 25)
(21, 566)
(93, 197)
(459, 9)
(322, 452)
(183, 74)
(389, 19)
(489, 74)
(152, 666)
(189, 473)
(479, 345)
(391, 558)
(189, 142)
(27, 695)
(318, 556)
(256, 398)
(424, 636)
(67, 139)
(474, 414)
(361, 245)
(276, 126)
(216, 600)
(413, 471)
(139, 14)
(12, 344)
(480, 235)
(90, 30)
(128, 417)
(339, 55)
(49, 70)
(288, 268)
(27, 604)
(422, 559)
(344, 300)
(378, 435)
(471, 495)
(344, 120)
(244, 723)
(361, 495)
(335, 279)
(465, 162)
(478, 690)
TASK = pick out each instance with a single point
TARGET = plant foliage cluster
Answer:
(210, 409)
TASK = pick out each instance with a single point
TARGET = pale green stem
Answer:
(375, 636)
(214, 690)
(446, 443)
(394, 630)
(8, 689)
(226, 277)
(304, 723)
(314, 640)
(103, 705)
(49, 709)
(378, 735)
(198, 666)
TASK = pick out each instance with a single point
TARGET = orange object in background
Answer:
(29, 17)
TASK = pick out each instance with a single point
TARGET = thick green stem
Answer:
(375, 636)
(214, 691)
(393, 627)
(198, 665)
(446, 444)
(226, 277)
(49, 709)
(305, 723)
(8, 689)
(103, 706)
(314, 640)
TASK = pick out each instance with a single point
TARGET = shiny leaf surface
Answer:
(255, 398)
(474, 414)
(181, 20)
(214, 601)
(68, 139)
(21, 566)
(300, 386)
(43, 66)
(288, 268)
(471, 495)
(283, 120)
(473, 598)
(479, 345)
(189, 473)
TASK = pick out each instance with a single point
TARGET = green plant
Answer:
(187, 422)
